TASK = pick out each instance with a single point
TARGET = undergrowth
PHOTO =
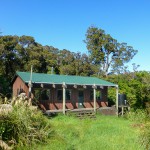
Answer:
(141, 119)
(24, 126)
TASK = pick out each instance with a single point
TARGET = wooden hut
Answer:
(64, 92)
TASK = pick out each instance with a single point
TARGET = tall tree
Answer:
(64, 60)
(106, 52)
(32, 53)
(9, 58)
(83, 65)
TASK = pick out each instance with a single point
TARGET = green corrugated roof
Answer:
(59, 79)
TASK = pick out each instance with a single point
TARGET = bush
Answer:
(139, 115)
(24, 126)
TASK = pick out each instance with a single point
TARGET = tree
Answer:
(51, 56)
(83, 65)
(106, 52)
(9, 57)
(32, 53)
(66, 59)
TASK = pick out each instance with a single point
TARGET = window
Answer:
(43, 94)
(68, 94)
(98, 95)
(60, 94)
(91, 95)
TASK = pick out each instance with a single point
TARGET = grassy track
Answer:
(109, 133)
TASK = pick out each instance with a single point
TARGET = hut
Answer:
(64, 92)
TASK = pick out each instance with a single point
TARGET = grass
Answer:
(106, 132)
(24, 127)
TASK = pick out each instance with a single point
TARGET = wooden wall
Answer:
(19, 85)
(53, 103)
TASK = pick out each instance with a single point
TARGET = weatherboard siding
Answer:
(19, 84)
(53, 103)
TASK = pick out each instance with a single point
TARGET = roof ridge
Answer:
(58, 74)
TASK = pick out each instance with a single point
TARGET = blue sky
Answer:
(63, 23)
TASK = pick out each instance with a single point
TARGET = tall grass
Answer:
(109, 133)
(141, 119)
(24, 126)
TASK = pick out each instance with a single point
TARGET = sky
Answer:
(63, 23)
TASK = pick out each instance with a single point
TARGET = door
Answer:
(80, 99)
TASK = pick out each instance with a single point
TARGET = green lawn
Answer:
(106, 132)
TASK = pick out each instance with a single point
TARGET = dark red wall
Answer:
(19, 84)
(53, 103)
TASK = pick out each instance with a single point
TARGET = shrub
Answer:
(24, 126)
(139, 115)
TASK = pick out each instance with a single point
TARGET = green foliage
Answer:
(106, 51)
(138, 116)
(10, 60)
(25, 126)
(4, 86)
(135, 85)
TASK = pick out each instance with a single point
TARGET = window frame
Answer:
(70, 91)
(99, 98)
(39, 92)
(61, 95)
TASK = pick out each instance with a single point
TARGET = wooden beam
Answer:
(42, 85)
(54, 86)
(94, 86)
(64, 97)
(64, 85)
(30, 87)
(75, 86)
(94, 96)
(84, 86)
(117, 99)
(101, 87)
(30, 83)
(122, 110)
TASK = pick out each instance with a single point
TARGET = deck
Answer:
(80, 113)
(69, 110)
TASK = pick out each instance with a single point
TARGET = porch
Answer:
(69, 98)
